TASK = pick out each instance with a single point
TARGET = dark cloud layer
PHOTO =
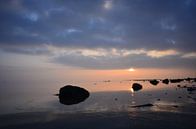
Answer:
(137, 61)
(120, 24)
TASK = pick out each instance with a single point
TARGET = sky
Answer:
(86, 38)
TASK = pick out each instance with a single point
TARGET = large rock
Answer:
(154, 82)
(69, 94)
(136, 86)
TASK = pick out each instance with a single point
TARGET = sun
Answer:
(131, 70)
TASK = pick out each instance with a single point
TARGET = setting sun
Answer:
(131, 70)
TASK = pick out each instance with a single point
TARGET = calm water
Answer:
(173, 108)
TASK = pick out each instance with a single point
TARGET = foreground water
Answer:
(173, 107)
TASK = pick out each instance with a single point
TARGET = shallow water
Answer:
(173, 108)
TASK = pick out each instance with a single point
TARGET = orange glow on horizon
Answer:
(94, 80)
(131, 70)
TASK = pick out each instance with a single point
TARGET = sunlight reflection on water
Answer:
(163, 97)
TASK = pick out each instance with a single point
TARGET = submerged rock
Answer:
(143, 105)
(176, 106)
(189, 96)
(107, 81)
(154, 82)
(69, 95)
(165, 81)
(191, 89)
(194, 99)
(136, 86)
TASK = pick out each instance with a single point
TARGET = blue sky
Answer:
(101, 34)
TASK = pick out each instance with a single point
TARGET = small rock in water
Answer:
(176, 106)
(154, 82)
(136, 86)
(165, 81)
(69, 94)
(189, 96)
(191, 88)
(107, 81)
(184, 86)
(188, 79)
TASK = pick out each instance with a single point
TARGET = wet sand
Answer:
(101, 120)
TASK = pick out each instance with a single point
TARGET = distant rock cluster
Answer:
(167, 81)
(69, 94)
(154, 82)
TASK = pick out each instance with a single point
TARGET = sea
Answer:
(161, 106)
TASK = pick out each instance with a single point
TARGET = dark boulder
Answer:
(69, 95)
(165, 81)
(154, 82)
(136, 86)
(176, 80)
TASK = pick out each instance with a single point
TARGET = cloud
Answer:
(168, 25)
(39, 51)
(112, 52)
(99, 31)
(110, 58)
(105, 59)
(32, 16)
(189, 55)
(119, 58)
(68, 32)
(158, 54)
(107, 4)
(130, 24)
